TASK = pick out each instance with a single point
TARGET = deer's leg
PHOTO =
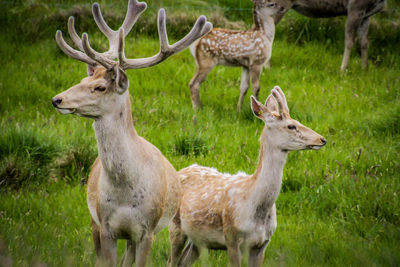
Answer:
(129, 255)
(363, 39)
(255, 72)
(352, 23)
(244, 86)
(233, 248)
(108, 251)
(199, 77)
(177, 239)
(96, 238)
(143, 249)
(189, 255)
(256, 255)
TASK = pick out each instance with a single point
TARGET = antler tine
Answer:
(283, 98)
(200, 28)
(280, 98)
(72, 33)
(96, 56)
(72, 52)
(135, 9)
(101, 23)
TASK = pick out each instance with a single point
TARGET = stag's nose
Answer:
(282, 9)
(323, 141)
(56, 101)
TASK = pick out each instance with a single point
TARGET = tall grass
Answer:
(338, 207)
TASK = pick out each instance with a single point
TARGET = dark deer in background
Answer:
(357, 12)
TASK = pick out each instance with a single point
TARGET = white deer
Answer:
(133, 191)
(357, 12)
(237, 212)
(247, 49)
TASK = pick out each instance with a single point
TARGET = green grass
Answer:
(338, 206)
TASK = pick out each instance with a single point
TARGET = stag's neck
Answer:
(264, 24)
(268, 176)
(117, 141)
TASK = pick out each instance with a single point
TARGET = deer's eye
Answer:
(100, 88)
(292, 127)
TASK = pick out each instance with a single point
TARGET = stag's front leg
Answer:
(256, 255)
(234, 253)
(108, 251)
(363, 39)
(244, 86)
(143, 249)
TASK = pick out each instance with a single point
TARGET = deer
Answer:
(237, 212)
(249, 49)
(133, 191)
(358, 13)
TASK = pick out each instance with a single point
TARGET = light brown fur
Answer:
(133, 191)
(247, 49)
(237, 212)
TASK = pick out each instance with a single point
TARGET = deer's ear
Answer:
(90, 70)
(257, 108)
(119, 79)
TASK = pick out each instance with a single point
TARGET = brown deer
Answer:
(237, 212)
(133, 191)
(247, 49)
(357, 12)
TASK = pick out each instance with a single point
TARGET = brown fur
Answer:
(247, 49)
(237, 212)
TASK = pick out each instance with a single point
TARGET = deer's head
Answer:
(267, 7)
(105, 88)
(284, 132)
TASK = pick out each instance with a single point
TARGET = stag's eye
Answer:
(100, 88)
(292, 127)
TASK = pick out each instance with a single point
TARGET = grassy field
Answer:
(338, 206)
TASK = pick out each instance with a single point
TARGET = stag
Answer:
(237, 212)
(357, 12)
(133, 191)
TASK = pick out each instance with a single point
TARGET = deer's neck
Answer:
(268, 176)
(264, 24)
(117, 140)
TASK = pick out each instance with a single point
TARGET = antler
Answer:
(281, 99)
(86, 53)
(117, 38)
(200, 28)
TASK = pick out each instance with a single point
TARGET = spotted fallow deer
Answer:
(247, 49)
(357, 12)
(133, 191)
(237, 212)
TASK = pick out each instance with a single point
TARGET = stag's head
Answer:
(106, 86)
(284, 132)
(268, 7)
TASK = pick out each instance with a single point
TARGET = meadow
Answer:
(338, 206)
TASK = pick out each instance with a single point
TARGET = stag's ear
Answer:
(119, 79)
(90, 70)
